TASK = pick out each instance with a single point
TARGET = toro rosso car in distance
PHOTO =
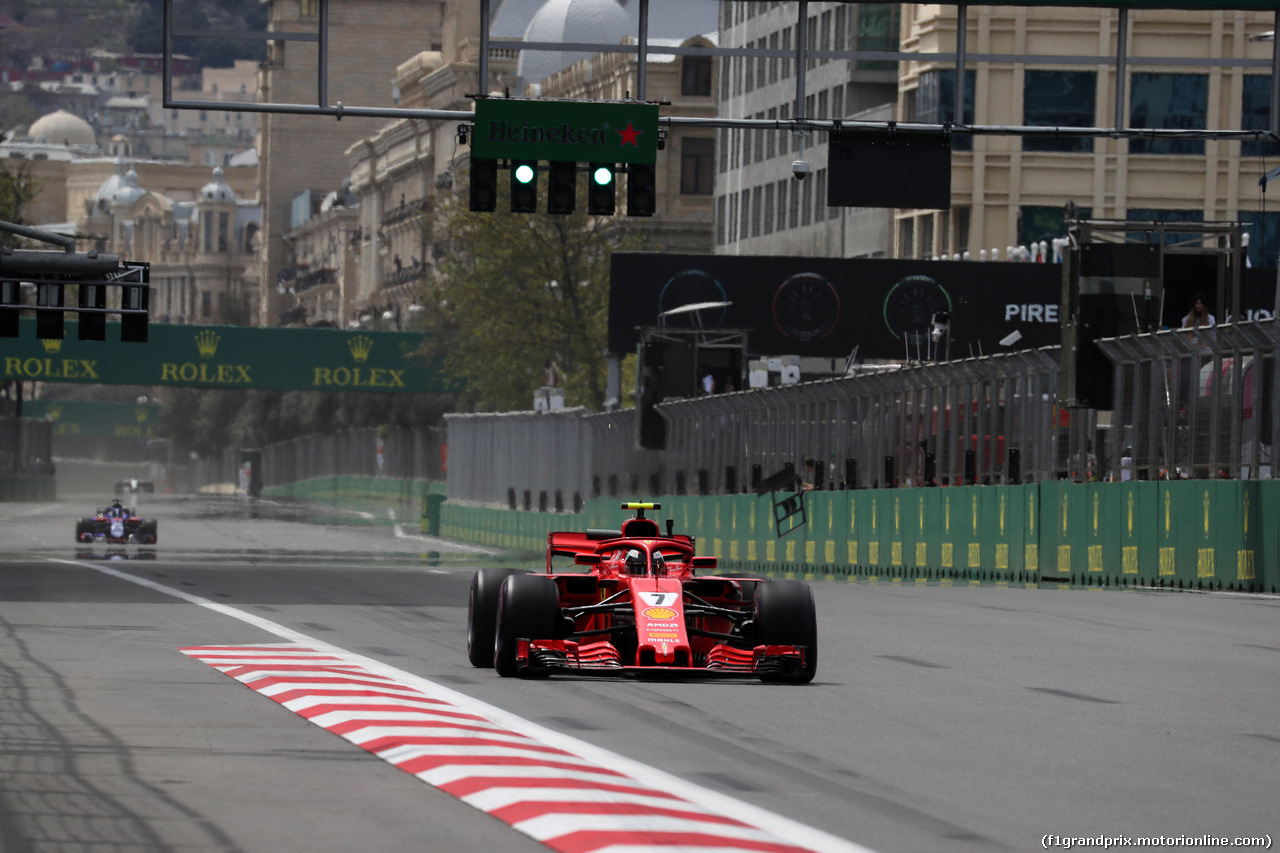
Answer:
(116, 525)
(636, 605)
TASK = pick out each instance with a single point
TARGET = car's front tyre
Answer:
(529, 607)
(785, 615)
(482, 614)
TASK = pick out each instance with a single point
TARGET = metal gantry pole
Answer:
(962, 39)
(1122, 52)
(642, 56)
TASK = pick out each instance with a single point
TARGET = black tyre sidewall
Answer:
(785, 615)
(482, 614)
(528, 606)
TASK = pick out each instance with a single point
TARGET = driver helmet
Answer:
(635, 562)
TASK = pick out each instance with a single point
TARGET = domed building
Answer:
(63, 128)
(203, 252)
(569, 21)
(607, 22)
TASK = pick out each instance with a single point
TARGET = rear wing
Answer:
(564, 543)
(570, 543)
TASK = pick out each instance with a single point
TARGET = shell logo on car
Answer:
(660, 613)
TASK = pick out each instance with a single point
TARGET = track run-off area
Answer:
(275, 677)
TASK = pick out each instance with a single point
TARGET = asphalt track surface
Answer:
(941, 719)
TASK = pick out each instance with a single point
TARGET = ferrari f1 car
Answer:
(640, 603)
(117, 525)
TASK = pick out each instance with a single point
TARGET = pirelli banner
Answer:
(227, 357)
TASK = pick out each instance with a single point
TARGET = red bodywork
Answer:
(663, 617)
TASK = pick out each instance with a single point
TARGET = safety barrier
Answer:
(1187, 534)
(18, 487)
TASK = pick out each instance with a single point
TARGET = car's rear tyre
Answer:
(785, 615)
(528, 606)
(482, 614)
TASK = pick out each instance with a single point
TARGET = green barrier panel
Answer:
(1063, 550)
(1032, 527)
(1102, 534)
(826, 510)
(1138, 533)
(430, 524)
(894, 527)
(971, 531)
(1180, 537)
(1239, 539)
(920, 533)
(1188, 534)
(949, 534)
(878, 538)
(1002, 557)
(1268, 558)
(856, 531)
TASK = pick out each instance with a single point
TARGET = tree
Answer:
(516, 291)
(146, 33)
(17, 190)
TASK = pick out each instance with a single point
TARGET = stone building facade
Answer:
(202, 247)
(368, 39)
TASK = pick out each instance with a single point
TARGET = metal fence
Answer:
(416, 454)
(981, 420)
(1188, 405)
(26, 446)
(1195, 404)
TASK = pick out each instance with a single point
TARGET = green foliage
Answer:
(207, 421)
(519, 290)
(17, 190)
(147, 32)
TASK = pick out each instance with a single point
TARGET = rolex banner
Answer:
(227, 357)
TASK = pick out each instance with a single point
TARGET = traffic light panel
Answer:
(601, 189)
(93, 324)
(562, 191)
(641, 189)
(524, 186)
(484, 185)
(10, 295)
(135, 299)
(49, 323)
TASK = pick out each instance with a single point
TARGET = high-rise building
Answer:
(1213, 73)
(760, 207)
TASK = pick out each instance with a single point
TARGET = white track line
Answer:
(747, 813)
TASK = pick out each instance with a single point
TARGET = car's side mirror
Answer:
(703, 562)
(587, 559)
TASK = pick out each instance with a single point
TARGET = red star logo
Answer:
(629, 136)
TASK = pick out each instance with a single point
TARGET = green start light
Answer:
(602, 175)
(524, 173)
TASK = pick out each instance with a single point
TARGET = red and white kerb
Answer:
(567, 802)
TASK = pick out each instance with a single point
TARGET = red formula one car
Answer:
(117, 525)
(636, 606)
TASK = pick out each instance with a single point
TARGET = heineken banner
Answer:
(92, 419)
(568, 131)
(227, 357)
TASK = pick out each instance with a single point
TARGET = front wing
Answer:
(568, 657)
(100, 531)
